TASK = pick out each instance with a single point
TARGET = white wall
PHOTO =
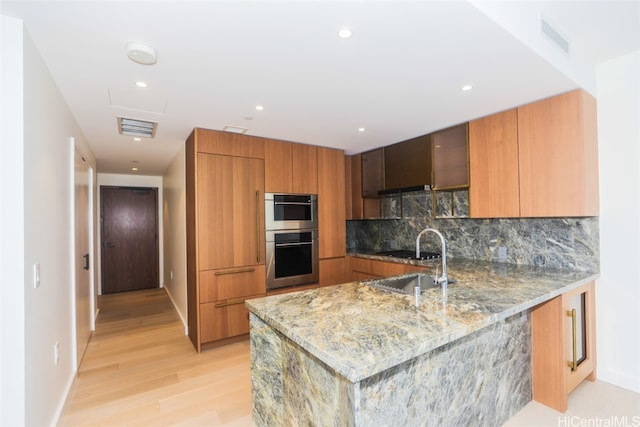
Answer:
(12, 309)
(38, 162)
(132, 181)
(175, 242)
(618, 290)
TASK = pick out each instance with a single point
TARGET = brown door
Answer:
(129, 218)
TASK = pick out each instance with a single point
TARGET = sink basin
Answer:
(406, 284)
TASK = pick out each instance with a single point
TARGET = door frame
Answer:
(119, 180)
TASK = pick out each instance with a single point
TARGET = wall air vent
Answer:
(134, 127)
(554, 36)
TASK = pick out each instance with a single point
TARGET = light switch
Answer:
(36, 275)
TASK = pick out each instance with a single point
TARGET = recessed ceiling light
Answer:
(345, 33)
(141, 53)
(259, 107)
(141, 84)
(134, 169)
(136, 139)
(466, 88)
(361, 129)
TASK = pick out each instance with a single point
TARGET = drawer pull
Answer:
(226, 304)
(574, 363)
(242, 270)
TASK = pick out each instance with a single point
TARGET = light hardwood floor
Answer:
(141, 370)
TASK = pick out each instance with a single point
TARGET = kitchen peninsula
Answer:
(355, 355)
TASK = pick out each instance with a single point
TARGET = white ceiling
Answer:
(399, 76)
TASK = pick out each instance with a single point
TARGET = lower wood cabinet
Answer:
(366, 268)
(224, 319)
(564, 349)
(334, 271)
(222, 296)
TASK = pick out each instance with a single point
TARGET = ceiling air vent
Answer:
(133, 127)
(554, 36)
(234, 129)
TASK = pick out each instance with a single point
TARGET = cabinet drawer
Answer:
(360, 264)
(224, 319)
(223, 284)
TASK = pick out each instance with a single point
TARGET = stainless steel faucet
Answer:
(443, 280)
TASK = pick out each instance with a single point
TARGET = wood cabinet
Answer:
(564, 351)
(372, 172)
(332, 233)
(225, 232)
(357, 206)
(493, 166)
(408, 164)
(538, 160)
(366, 268)
(290, 167)
(334, 271)
(558, 156)
(450, 158)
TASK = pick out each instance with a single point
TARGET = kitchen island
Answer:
(356, 355)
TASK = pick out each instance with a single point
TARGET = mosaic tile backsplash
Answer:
(567, 243)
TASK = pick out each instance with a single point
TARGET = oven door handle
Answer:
(293, 203)
(281, 245)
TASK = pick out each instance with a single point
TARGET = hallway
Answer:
(141, 370)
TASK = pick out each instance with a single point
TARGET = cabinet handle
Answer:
(226, 304)
(242, 270)
(258, 226)
(574, 363)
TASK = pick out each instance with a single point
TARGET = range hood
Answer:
(407, 166)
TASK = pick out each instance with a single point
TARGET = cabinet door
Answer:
(450, 158)
(332, 231)
(372, 172)
(558, 156)
(408, 164)
(333, 271)
(304, 169)
(230, 211)
(493, 166)
(278, 168)
(223, 319)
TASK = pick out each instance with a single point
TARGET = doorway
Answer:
(129, 236)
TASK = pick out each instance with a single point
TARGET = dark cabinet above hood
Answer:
(407, 165)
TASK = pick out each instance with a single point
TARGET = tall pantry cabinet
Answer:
(225, 232)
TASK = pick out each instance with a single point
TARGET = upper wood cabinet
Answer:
(493, 166)
(332, 233)
(372, 172)
(558, 156)
(538, 160)
(407, 164)
(357, 206)
(290, 167)
(450, 158)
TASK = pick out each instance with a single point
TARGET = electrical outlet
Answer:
(56, 353)
(36, 275)
(502, 253)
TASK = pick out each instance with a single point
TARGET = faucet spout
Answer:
(443, 280)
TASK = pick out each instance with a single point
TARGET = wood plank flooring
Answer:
(141, 370)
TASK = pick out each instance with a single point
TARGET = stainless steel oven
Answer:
(292, 257)
(290, 211)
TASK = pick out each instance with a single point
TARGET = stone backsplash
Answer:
(567, 243)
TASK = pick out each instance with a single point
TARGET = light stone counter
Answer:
(343, 355)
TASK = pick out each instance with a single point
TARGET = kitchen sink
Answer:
(406, 284)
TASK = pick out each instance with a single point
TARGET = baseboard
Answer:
(175, 306)
(617, 379)
(71, 384)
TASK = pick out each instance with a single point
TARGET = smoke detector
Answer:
(141, 53)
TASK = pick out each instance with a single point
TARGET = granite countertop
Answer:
(359, 330)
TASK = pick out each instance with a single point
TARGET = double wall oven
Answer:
(291, 224)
